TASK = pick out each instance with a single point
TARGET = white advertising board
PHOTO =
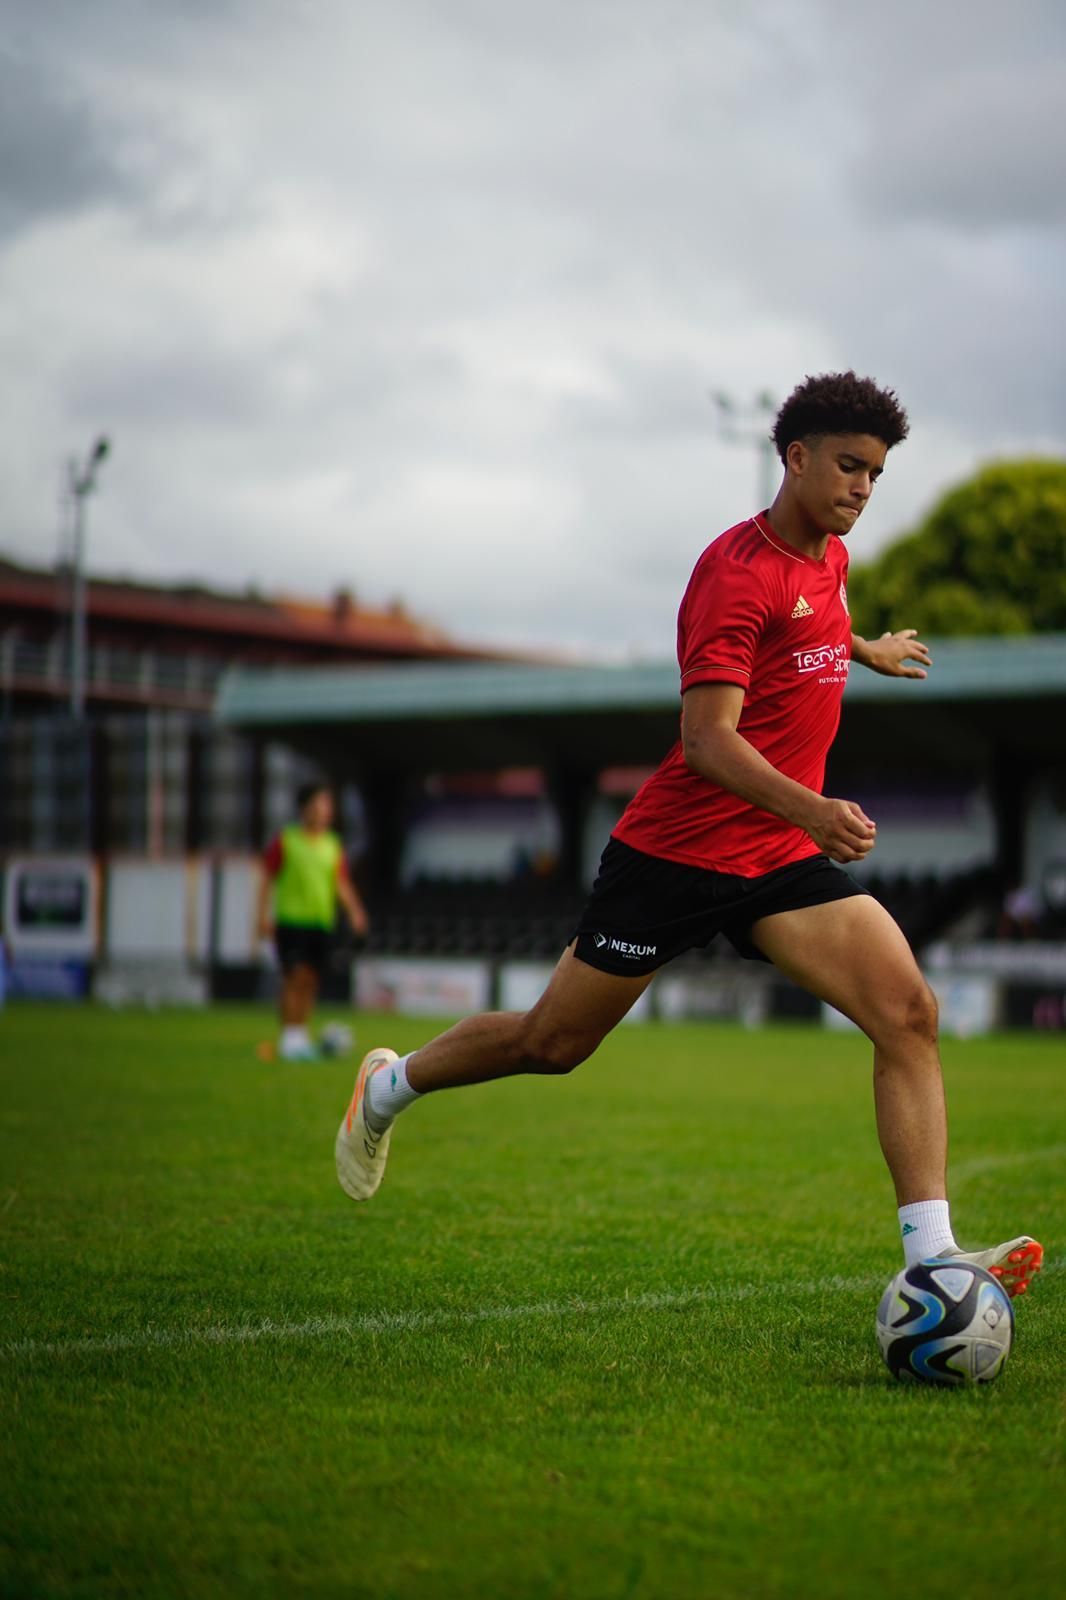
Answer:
(238, 937)
(421, 988)
(836, 1021)
(152, 909)
(722, 993)
(50, 906)
(969, 1004)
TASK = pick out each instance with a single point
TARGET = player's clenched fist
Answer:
(843, 830)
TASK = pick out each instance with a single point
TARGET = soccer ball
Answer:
(945, 1322)
(335, 1039)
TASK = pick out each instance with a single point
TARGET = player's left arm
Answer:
(896, 655)
(350, 899)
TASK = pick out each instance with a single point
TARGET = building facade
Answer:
(147, 770)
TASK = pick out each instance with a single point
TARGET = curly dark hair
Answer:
(839, 402)
(307, 792)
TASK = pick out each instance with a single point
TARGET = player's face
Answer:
(318, 812)
(835, 476)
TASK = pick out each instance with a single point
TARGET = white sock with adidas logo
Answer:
(388, 1091)
(926, 1230)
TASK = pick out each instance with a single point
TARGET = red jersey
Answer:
(759, 614)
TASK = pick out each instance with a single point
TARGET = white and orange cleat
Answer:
(1015, 1263)
(360, 1150)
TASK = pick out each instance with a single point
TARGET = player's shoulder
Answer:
(737, 543)
(742, 555)
(726, 552)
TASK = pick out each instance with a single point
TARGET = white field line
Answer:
(977, 1166)
(375, 1322)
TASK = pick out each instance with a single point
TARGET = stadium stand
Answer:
(475, 917)
(927, 906)
(534, 918)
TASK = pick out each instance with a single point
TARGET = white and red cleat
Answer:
(1015, 1263)
(361, 1151)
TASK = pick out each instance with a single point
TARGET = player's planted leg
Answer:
(854, 956)
(299, 990)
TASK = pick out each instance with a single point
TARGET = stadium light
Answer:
(748, 423)
(82, 484)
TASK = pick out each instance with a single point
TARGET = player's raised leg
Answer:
(852, 954)
(574, 1014)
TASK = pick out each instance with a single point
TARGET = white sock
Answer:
(294, 1039)
(388, 1091)
(926, 1230)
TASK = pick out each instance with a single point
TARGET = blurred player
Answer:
(304, 876)
(733, 835)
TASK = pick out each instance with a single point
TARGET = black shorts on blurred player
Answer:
(643, 911)
(298, 946)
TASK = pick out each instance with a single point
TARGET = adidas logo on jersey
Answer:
(802, 609)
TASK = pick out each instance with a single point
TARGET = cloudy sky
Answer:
(428, 297)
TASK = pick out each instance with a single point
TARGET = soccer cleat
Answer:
(361, 1152)
(1015, 1263)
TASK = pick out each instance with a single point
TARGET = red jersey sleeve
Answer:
(723, 615)
(272, 856)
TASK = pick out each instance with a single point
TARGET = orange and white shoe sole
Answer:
(360, 1152)
(1020, 1267)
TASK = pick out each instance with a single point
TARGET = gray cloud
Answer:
(429, 300)
(984, 151)
(54, 154)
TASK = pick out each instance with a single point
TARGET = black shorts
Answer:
(644, 911)
(298, 946)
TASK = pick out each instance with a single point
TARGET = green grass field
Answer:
(609, 1336)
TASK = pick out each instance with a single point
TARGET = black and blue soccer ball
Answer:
(945, 1322)
(335, 1039)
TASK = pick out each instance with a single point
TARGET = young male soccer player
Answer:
(305, 874)
(733, 835)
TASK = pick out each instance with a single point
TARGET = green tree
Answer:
(989, 558)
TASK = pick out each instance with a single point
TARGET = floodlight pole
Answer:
(82, 483)
(749, 424)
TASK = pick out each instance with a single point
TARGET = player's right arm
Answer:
(715, 750)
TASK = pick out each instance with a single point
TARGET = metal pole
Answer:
(765, 409)
(81, 484)
(77, 607)
(769, 473)
(749, 424)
